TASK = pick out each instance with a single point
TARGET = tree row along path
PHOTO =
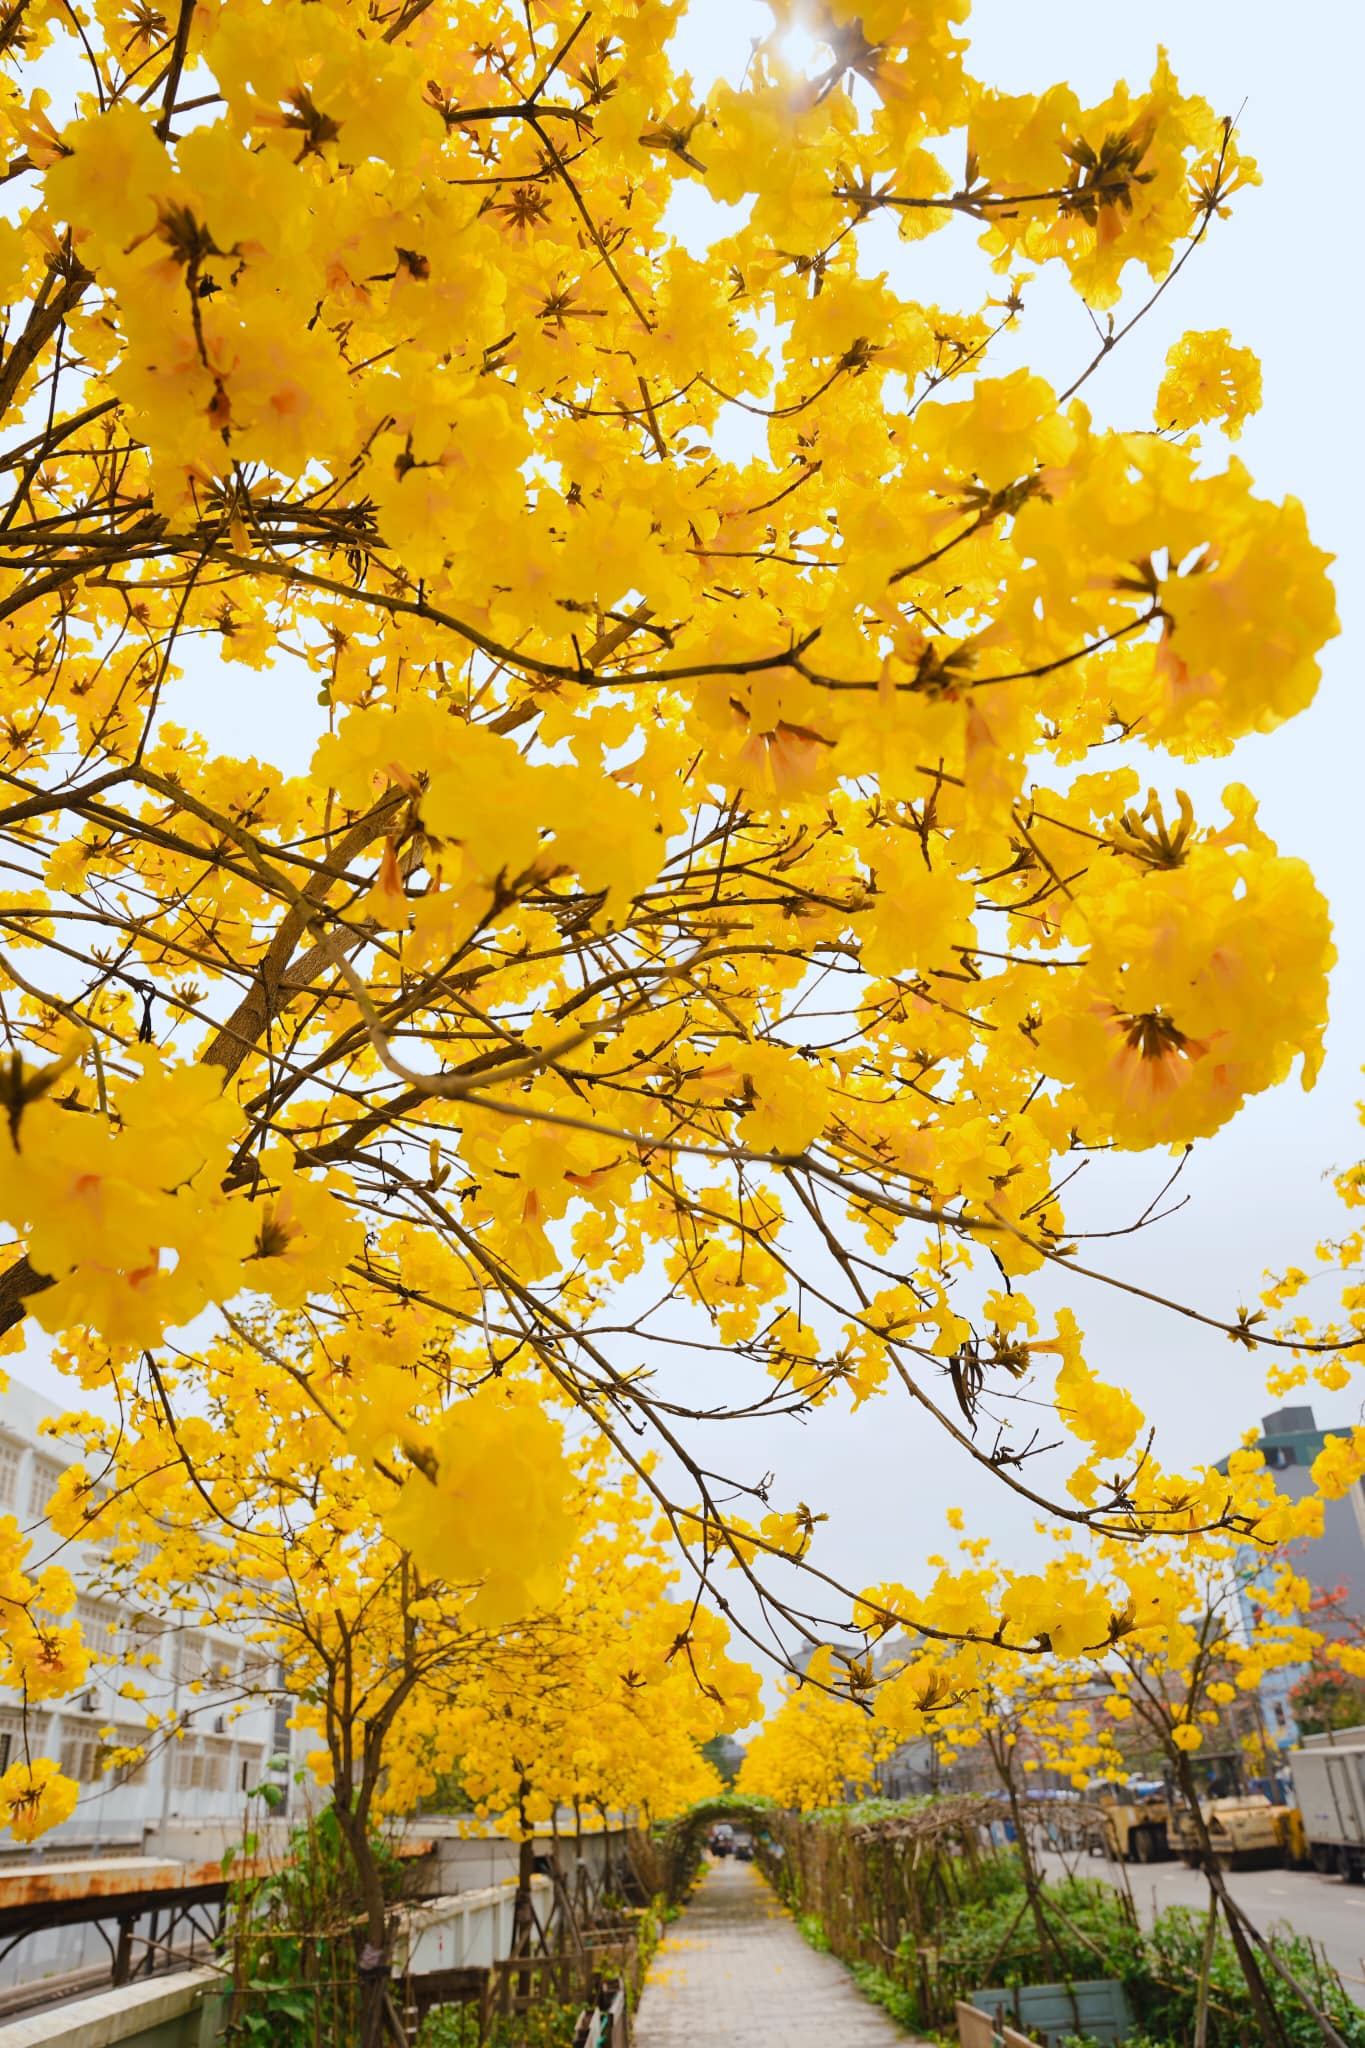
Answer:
(733, 1969)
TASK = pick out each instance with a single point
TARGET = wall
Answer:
(471, 1930)
(471, 1853)
(180, 2012)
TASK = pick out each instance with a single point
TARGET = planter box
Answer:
(1050, 2012)
(976, 2029)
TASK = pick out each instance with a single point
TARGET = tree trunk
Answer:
(374, 2026)
(1032, 1881)
(1268, 2022)
(17, 1283)
(523, 1918)
(1201, 2010)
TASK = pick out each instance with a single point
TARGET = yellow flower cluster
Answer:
(820, 1747)
(1208, 380)
(35, 1797)
(487, 1501)
(558, 778)
(1108, 1652)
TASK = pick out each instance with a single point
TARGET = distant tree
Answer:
(1327, 1699)
(1331, 1693)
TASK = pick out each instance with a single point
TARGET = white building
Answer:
(218, 1688)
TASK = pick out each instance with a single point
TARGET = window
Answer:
(12, 1748)
(10, 1455)
(255, 1669)
(279, 1733)
(142, 1638)
(81, 1756)
(217, 1765)
(190, 1659)
(202, 1766)
(1280, 1457)
(42, 1484)
(221, 1661)
(86, 1755)
(253, 1764)
(97, 1627)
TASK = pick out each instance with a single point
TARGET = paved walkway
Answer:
(732, 1972)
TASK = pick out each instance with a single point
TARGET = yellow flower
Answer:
(486, 1505)
(35, 1798)
(1208, 380)
(1339, 1464)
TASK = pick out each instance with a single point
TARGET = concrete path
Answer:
(732, 1972)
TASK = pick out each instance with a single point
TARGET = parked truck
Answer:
(1329, 1786)
(1245, 1829)
(1146, 1821)
(1129, 1826)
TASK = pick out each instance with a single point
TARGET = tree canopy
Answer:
(561, 823)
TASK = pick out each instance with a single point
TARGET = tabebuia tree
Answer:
(558, 805)
(538, 1673)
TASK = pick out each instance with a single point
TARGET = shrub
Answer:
(1159, 1968)
(457, 2026)
(996, 1941)
(1166, 1990)
(895, 1999)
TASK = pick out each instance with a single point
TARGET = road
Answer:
(1328, 1911)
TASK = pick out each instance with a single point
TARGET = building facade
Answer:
(191, 1795)
(1290, 1440)
(231, 1721)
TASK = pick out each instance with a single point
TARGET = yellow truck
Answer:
(1129, 1830)
(1245, 1830)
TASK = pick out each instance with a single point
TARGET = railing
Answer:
(156, 1915)
(597, 1970)
(441, 1940)
(464, 1930)
(451, 1949)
